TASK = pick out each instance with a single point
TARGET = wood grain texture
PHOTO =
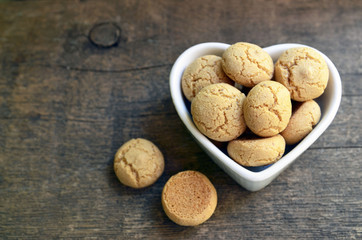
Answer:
(66, 106)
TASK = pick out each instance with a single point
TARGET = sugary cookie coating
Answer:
(247, 64)
(256, 151)
(138, 163)
(189, 198)
(217, 112)
(267, 108)
(303, 71)
(202, 72)
(304, 117)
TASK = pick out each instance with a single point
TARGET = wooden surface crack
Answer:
(80, 69)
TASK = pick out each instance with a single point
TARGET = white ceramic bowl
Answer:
(257, 178)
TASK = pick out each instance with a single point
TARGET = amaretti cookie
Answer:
(305, 116)
(247, 64)
(189, 198)
(267, 108)
(217, 112)
(303, 71)
(202, 72)
(138, 163)
(256, 151)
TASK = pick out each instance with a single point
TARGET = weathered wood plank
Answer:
(89, 201)
(155, 34)
(67, 105)
(133, 102)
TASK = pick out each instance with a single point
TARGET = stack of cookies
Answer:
(278, 109)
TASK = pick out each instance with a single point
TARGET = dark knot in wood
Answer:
(105, 35)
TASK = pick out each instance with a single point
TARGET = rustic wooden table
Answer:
(67, 104)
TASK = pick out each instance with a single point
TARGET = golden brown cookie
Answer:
(247, 64)
(305, 116)
(303, 71)
(189, 198)
(256, 151)
(267, 108)
(138, 163)
(217, 112)
(202, 72)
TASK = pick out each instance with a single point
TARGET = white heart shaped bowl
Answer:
(257, 178)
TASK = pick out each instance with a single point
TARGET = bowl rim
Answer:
(270, 172)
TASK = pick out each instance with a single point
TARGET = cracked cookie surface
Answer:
(267, 108)
(303, 71)
(138, 163)
(189, 198)
(202, 72)
(304, 117)
(247, 64)
(217, 112)
(256, 151)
